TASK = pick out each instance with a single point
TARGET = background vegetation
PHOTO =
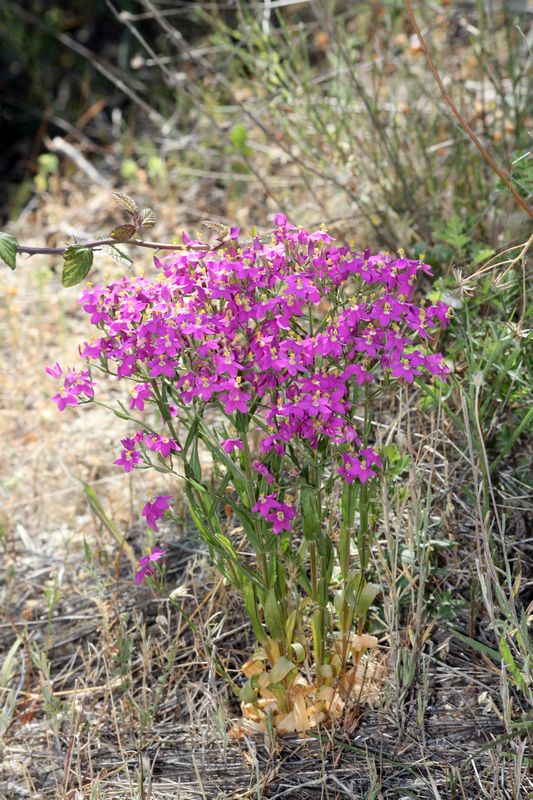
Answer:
(231, 111)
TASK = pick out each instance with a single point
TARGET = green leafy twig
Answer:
(78, 257)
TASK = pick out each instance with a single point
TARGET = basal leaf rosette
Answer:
(268, 356)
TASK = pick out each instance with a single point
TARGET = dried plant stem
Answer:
(504, 177)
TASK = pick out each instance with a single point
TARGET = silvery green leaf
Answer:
(8, 249)
(146, 218)
(77, 263)
(126, 202)
(117, 255)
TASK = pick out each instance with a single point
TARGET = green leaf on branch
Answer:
(8, 249)
(123, 233)
(127, 203)
(117, 255)
(146, 218)
(77, 263)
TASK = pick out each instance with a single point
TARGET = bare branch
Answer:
(94, 245)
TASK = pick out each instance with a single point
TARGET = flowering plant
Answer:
(268, 356)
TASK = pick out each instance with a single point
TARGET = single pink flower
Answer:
(154, 510)
(229, 445)
(55, 371)
(262, 470)
(147, 564)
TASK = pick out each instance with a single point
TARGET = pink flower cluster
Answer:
(284, 332)
(75, 384)
(280, 515)
(131, 456)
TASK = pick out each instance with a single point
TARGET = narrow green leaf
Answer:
(8, 249)
(250, 604)
(77, 263)
(317, 629)
(273, 619)
(479, 646)
(278, 690)
(242, 422)
(193, 467)
(299, 652)
(348, 504)
(7, 666)
(510, 663)
(289, 626)
(311, 516)
(97, 507)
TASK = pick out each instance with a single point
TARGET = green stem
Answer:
(261, 555)
(362, 535)
(314, 571)
(164, 409)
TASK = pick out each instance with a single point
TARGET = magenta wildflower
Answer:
(359, 466)
(154, 510)
(147, 564)
(161, 365)
(279, 333)
(64, 398)
(235, 400)
(161, 444)
(279, 514)
(265, 504)
(55, 371)
(262, 470)
(281, 518)
(229, 445)
(76, 383)
(138, 394)
(130, 457)
(406, 367)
